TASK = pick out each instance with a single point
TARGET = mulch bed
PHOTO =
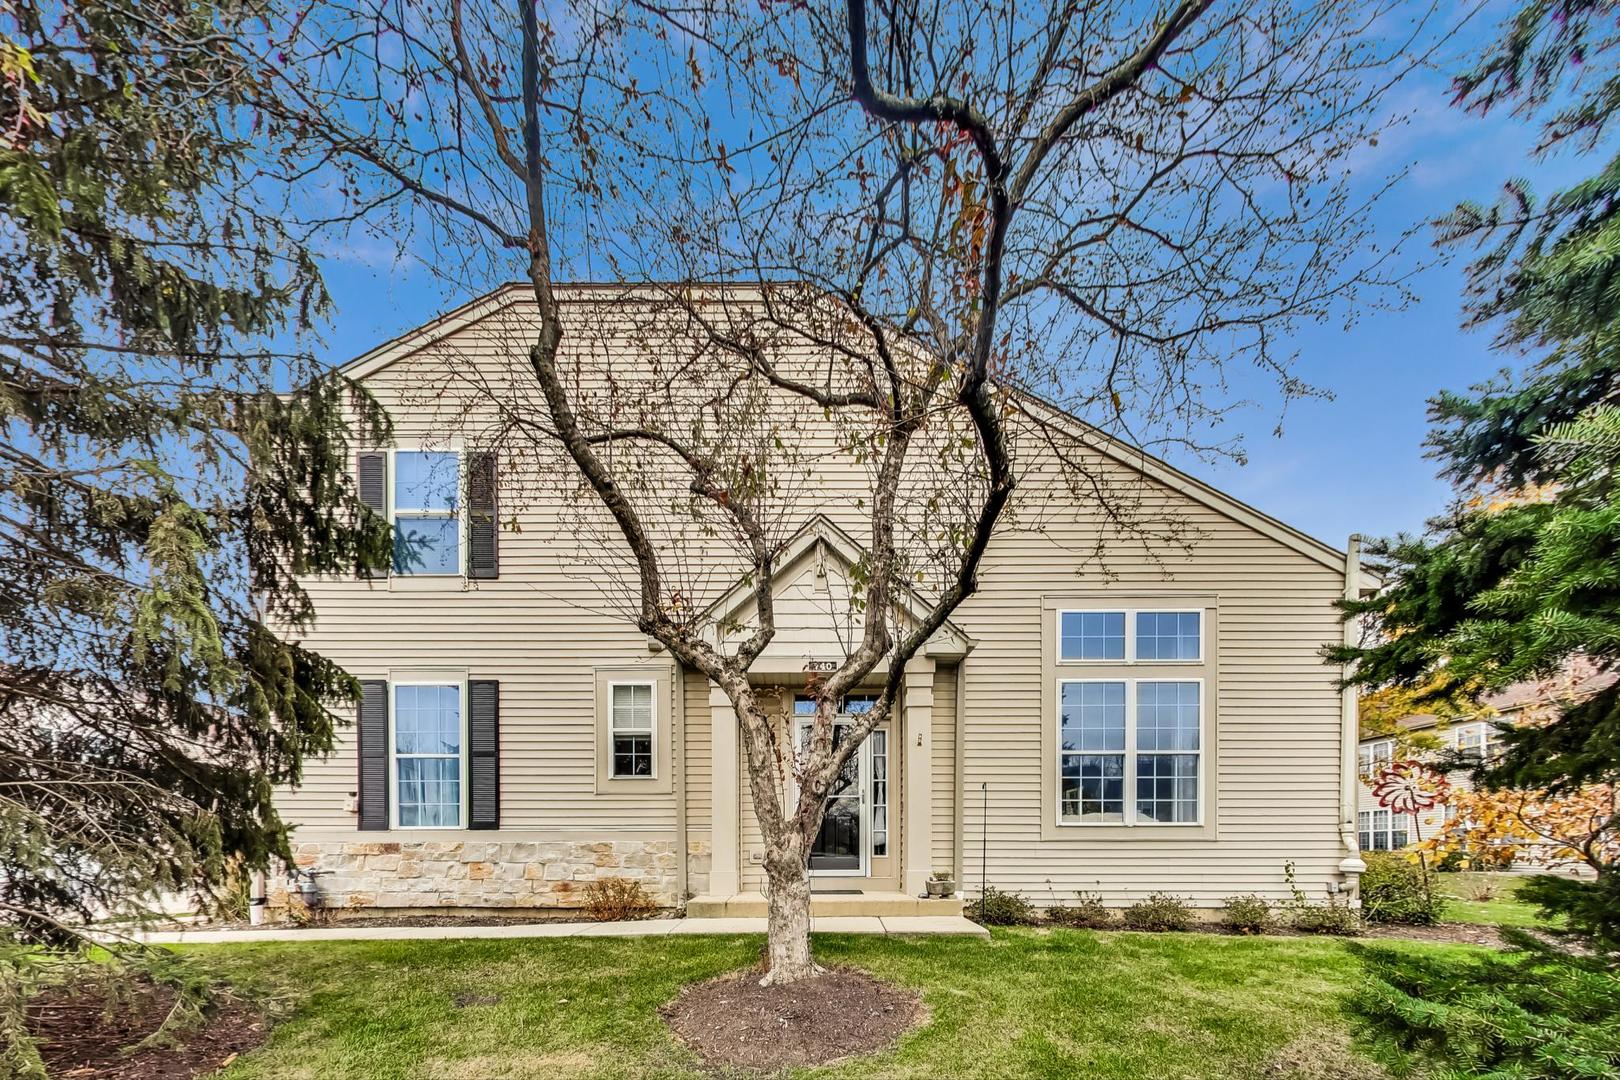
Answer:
(734, 1022)
(1452, 933)
(80, 1039)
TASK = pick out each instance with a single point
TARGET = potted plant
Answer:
(941, 884)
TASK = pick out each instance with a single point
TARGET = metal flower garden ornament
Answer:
(1411, 787)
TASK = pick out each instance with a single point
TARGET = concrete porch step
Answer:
(825, 905)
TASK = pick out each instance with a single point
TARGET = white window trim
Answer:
(1130, 614)
(1372, 758)
(393, 769)
(1388, 831)
(1130, 819)
(460, 515)
(651, 733)
(1477, 727)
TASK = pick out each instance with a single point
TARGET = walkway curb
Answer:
(951, 926)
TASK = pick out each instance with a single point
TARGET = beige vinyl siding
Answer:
(699, 753)
(559, 610)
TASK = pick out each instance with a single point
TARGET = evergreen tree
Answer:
(168, 471)
(1523, 573)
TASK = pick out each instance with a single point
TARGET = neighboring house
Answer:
(1465, 739)
(1157, 720)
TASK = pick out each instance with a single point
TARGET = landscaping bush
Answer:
(997, 908)
(1160, 911)
(1248, 915)
(1333, 917)
(617, 899)
(1397, 889)
(1086, 913)
(1539, 1011)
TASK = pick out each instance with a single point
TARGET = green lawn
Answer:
(1029, 1003)
(1502, 909)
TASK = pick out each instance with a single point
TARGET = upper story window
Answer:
(1374, 757)
(427, 751)
(631, 729)
(1148, 637)
(1470, 742)
(427, 522)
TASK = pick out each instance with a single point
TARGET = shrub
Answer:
(1537, 1011)
(1086, 913)
(617, 899)
(997, 908)
(1396, 889)
(1160, 911)
(1334, 917)
(1248, 915)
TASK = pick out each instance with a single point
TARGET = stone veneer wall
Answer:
(366, 876)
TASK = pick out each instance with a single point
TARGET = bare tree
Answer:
(908, 225)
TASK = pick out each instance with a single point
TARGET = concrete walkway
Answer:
(852, 924)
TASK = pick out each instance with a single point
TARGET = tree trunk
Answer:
(788, 903)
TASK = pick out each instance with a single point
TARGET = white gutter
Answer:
(1350, 722)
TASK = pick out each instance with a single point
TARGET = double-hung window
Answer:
(1374, 757)
(631, 724)
(1131, 741)
(1470, 742)
(428, 759)
(1380, 830)
(427, 521)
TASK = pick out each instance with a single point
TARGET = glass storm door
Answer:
(841, 846)
(838, 846)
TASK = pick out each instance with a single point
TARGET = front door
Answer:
(844, 845)
(840, 845)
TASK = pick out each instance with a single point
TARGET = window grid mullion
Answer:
(1130, 747)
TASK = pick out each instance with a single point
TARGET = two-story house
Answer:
(1147, 720)
(1461, 740)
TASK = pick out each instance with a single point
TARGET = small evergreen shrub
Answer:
(1160, 912)
(1086, 913)
(1397, 889)
(997, 908)
(1248, 915)
(617, 899)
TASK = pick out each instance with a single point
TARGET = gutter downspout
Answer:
(1351, 865)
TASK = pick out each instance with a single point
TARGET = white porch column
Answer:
(917, 830)
(725, 878)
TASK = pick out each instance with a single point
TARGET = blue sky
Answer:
(1353, 463)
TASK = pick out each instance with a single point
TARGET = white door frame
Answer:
(863, 784)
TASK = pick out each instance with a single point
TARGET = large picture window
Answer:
(427, 745)
(1130, 751)
(427, 525)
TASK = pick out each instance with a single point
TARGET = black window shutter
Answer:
(484, 747)
(373, 754)
(371, 474)
(483, 560)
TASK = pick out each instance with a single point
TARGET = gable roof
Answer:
(513, 294)
(820, 535)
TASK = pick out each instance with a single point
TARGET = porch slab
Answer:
(827, 905)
